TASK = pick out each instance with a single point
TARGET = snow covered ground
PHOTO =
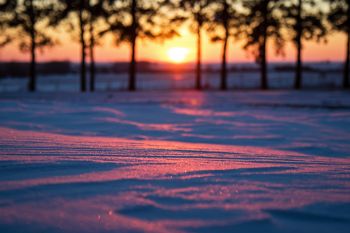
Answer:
(275, 161)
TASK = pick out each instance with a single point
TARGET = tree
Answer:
(197, 11)
(97, 12)
(131, 20)
(304, 20)
(225, 24)
(62, 14)
(91, 47)
(29, 14)
(262, 22)
(82, 25)
(87, 14)
(339, 19)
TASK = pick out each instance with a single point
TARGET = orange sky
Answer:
(334, 50)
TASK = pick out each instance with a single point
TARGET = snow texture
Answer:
(275, 161)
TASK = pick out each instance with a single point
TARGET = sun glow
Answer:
(177, 54)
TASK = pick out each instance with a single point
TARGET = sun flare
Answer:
(177, 54)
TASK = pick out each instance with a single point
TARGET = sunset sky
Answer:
(69, 49)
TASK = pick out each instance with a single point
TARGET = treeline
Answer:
(255, 22)
(15, 69)
(19, 69)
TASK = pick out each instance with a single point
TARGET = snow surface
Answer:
(275, 161)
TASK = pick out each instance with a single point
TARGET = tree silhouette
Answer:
(82, 25)
(339, 18)
(133, 37)
(63, 13)
(226, 23)
(28, 15)
(304, 19)
(262, 22)
(197, 11)
(92, 19)
(130, 20)
(97, 12)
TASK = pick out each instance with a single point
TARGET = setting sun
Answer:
(178, 54)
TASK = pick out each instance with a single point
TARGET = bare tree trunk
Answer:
(92, 53)
(32, 78)
(347, 61)
(132, 72)
(223, 85)
(199, 58)
(298, 69)
(83, 47)
(264, 81)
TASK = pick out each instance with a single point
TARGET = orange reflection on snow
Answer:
(160, 179)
